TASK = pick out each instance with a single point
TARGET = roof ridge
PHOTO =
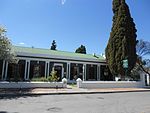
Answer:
(53, 50)
(43, 51)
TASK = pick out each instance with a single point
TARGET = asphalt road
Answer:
(133, 102)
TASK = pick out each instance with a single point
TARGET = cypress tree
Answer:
(122, 41)
(81, 49)
(53, 46)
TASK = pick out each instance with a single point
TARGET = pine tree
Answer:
(81, 49)
(122, 41)
(53, 46)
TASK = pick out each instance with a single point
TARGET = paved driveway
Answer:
(133, 102)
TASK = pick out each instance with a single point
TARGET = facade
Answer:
(35, 62)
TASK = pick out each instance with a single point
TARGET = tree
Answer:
(122, 41)
(143, 51)
(6, 51)
(143, 48)
(53, 46)
(81, 49)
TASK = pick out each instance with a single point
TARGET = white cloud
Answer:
(21, 43)
(63, 2)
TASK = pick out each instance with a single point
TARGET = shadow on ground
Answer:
(15, 94)
(10, 97)
(7, 112)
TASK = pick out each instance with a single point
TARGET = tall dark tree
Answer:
(81, 49)
(122, 41)
(53, 46)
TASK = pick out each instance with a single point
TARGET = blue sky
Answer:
(69, 22)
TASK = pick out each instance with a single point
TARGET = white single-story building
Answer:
(37, 62)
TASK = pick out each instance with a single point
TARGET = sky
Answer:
(36, 23)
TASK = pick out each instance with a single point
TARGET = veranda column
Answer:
(46, 68)
(68, 71)
(99, 72)
(6, 71)
(3, 69)
(83, 68)
(84, 72)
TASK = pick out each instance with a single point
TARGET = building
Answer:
(35, 62)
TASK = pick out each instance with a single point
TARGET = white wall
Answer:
(109, 84)
(32, 85)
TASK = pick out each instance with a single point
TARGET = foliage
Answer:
(53, 77)
(43, 79)
(81, 49)
(122, 41)
(73, 85)
(53, 46)
(6, 51)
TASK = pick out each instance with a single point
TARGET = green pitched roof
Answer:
(19, 49)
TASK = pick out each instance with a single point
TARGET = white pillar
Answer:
(62, 73)
(3, 69)
(99, 72)
(25, 71)
(28, 70)
(147, 77)
(6, 71)
(68, 71)
(46, 69)
(79, 83)
(84, 72)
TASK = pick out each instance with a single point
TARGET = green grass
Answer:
(73, 85)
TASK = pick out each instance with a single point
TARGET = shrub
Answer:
(53, 77)
(43, 79)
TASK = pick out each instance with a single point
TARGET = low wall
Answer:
(32, 85)
(109, 84)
